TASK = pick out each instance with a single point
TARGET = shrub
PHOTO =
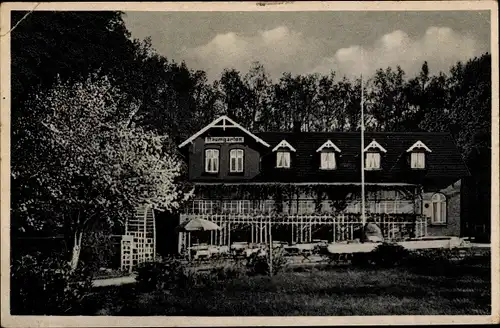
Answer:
(224, 273)
(99, 249)
(388, 255)
(259, 264)
(165, 274)
(47, 286)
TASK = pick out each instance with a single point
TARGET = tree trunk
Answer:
(75, 254)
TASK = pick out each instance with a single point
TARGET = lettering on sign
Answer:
(210, 140)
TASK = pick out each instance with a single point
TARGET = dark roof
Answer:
(444, 162)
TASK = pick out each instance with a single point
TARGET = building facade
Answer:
(306, 186)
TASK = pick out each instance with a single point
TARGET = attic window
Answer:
(417, 160)
(417, 156)
(283, 159)
(283, 150)
(328, 160)
(373, 156)
(372, 161)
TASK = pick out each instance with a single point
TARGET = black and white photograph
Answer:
(271, 160)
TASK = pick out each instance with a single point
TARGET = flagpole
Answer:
(363, 218)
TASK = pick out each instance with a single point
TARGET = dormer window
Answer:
(372, 161)
(372, 154)
(417, 160)
(283, 158)
(327, 155)
(417, 155)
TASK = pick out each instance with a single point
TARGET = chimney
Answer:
(296, 126)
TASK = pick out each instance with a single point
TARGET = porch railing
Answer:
(302, 228)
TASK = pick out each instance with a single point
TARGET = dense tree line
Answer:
(161, 97)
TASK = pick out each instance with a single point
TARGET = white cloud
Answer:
(440, 46)
(284, 50)
(279, 50)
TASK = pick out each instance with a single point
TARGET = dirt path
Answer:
(114, 281)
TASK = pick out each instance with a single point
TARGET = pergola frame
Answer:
(342, 226)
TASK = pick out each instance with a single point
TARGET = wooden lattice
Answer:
(341, 227)
(138, 245)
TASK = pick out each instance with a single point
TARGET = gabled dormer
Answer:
(283, 154)
(328, 155)
(373, 156)
(417, 153)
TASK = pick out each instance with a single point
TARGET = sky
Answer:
(348, 42)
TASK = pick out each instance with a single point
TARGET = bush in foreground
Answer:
(259, 264)
(389, 255)
(166, 274)
(47, 287)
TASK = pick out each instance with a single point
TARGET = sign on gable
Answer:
(211, 140)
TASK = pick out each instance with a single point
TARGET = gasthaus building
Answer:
(306, 186)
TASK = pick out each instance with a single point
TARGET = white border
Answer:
(57, 321)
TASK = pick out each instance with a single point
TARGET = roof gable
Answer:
(284, 144)
(418, 144)
(328, 144)
(223, 122)
(375, 144)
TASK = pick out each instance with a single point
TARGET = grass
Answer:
(457, 290)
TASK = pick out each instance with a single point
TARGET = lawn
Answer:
(461, 289)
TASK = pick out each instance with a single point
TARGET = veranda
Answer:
(296, 213)
(298, 229)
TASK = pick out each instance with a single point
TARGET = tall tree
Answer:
(296, 97)
(259, 86)
(89, 162)
(236, 97)
(387, 100)
(48, 44)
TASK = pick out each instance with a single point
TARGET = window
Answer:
(236, 161)
(283, 159)
(267, 206)
(328, 150)
(237, 206)
(328, 160)
(230, 206)
(283, 150)
(418, 160)
(306, 207)
(202, 207)
(417, 157)
(212, 160)
(438, 202)
(372, 161)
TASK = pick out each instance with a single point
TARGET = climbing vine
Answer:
(338, 196)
